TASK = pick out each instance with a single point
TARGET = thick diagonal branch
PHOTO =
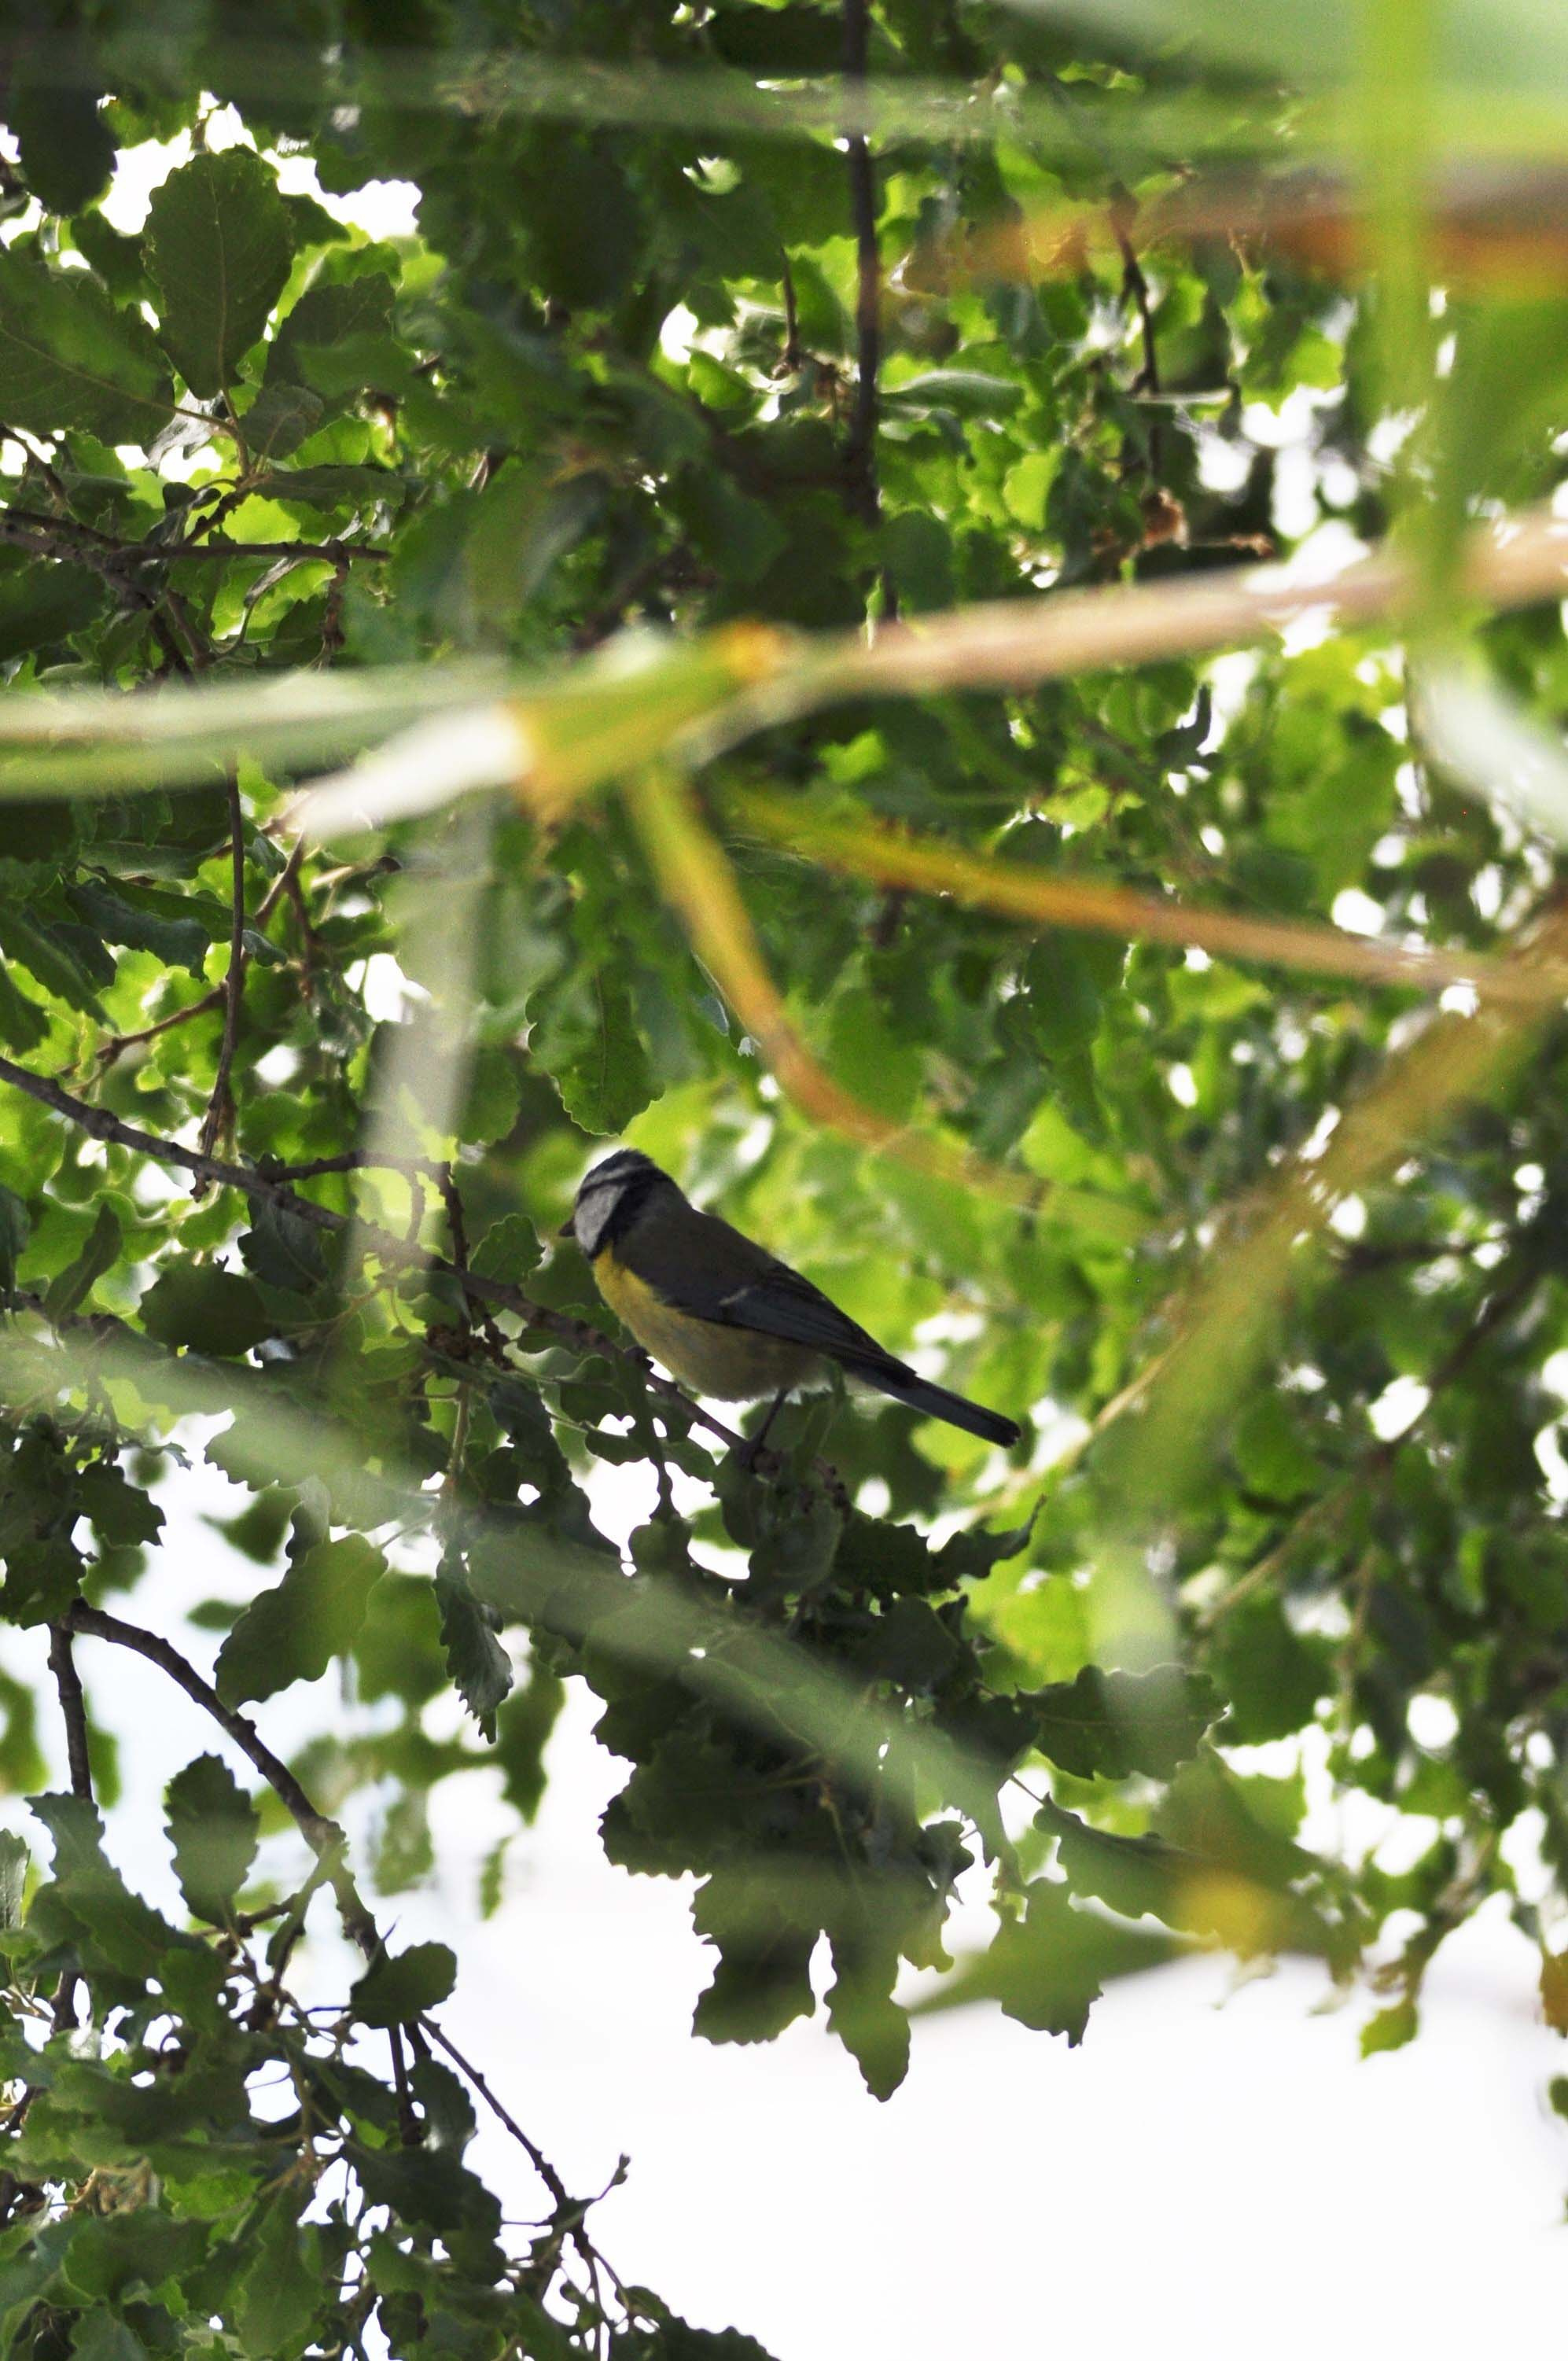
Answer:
(324, 1836)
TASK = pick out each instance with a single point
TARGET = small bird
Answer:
(724, 1316)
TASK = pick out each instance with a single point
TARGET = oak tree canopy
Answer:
(738, 631)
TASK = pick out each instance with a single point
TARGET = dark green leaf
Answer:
(397, 1989)
(213, 1828)
(476, 1664)
(67, 358)
(70, 1288)
(205, 1309)
(293, 1632)
(218, 239)
(14, 1227)
(1112, 1725)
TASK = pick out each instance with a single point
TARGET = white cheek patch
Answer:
(592, 1216)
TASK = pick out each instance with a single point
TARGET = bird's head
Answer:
(608, 1195)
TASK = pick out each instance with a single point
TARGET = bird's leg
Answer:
(751, 1450)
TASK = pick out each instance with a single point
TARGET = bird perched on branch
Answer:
(723, 1315)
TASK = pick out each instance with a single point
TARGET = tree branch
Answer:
(324, 1836)
(73, 1708)
(1137, 286)
(118, 1043)
(860, 451)
(28, 529)
(536, 2157)
(330, 1845)
(74, 1711)
(220, 1106)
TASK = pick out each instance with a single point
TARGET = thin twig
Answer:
(789, 360)
(408, 2129)
(324, 1836)
(860, 451)
(74, 1711)
(1137, 286)
(220, 1106)
(281, 883)
(118, 1043)
(105, 554)
(530, 2148)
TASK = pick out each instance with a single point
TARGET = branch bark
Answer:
(324, 1836)
(220, 1106)
(74, 1711)
(860, 452)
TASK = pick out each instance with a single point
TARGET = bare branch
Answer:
(324, 1836)
(220, 1106)
(73, 1710)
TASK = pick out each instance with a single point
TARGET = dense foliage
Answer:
(288, 1127)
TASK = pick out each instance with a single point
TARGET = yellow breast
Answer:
(726, 1364)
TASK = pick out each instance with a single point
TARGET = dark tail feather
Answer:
(936, 1402)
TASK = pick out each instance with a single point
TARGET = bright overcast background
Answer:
(1214, 2163)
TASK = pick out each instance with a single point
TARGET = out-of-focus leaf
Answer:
(291, 1633)
(402, 1986)
(213, 1828)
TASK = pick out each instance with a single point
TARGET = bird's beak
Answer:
(567, 1229)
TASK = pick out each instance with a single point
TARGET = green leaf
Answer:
(45, 948)
(205, 1310)
(41, 604)
(585, 1039)
(122, 1513)
(220, 248)
(213, 1828)
(283, 1249)
(1049, 1968)
(23, 1024)
(1389, 2028)
(279, 2293)
(67, 148)
(113, 1928)
(476, 1664)
(135, 919)
(71, 1286)
(494, 1096)
(67, 358)
(116, 2254)
(15, 1224)
(1270, 1455)
(105, 2336)
(1112, 1725)
(280, 420)
(14, 1863)
(864, 2014)
(293, 1632)
(325, 316)
(399, 1988)
(510, 1249)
